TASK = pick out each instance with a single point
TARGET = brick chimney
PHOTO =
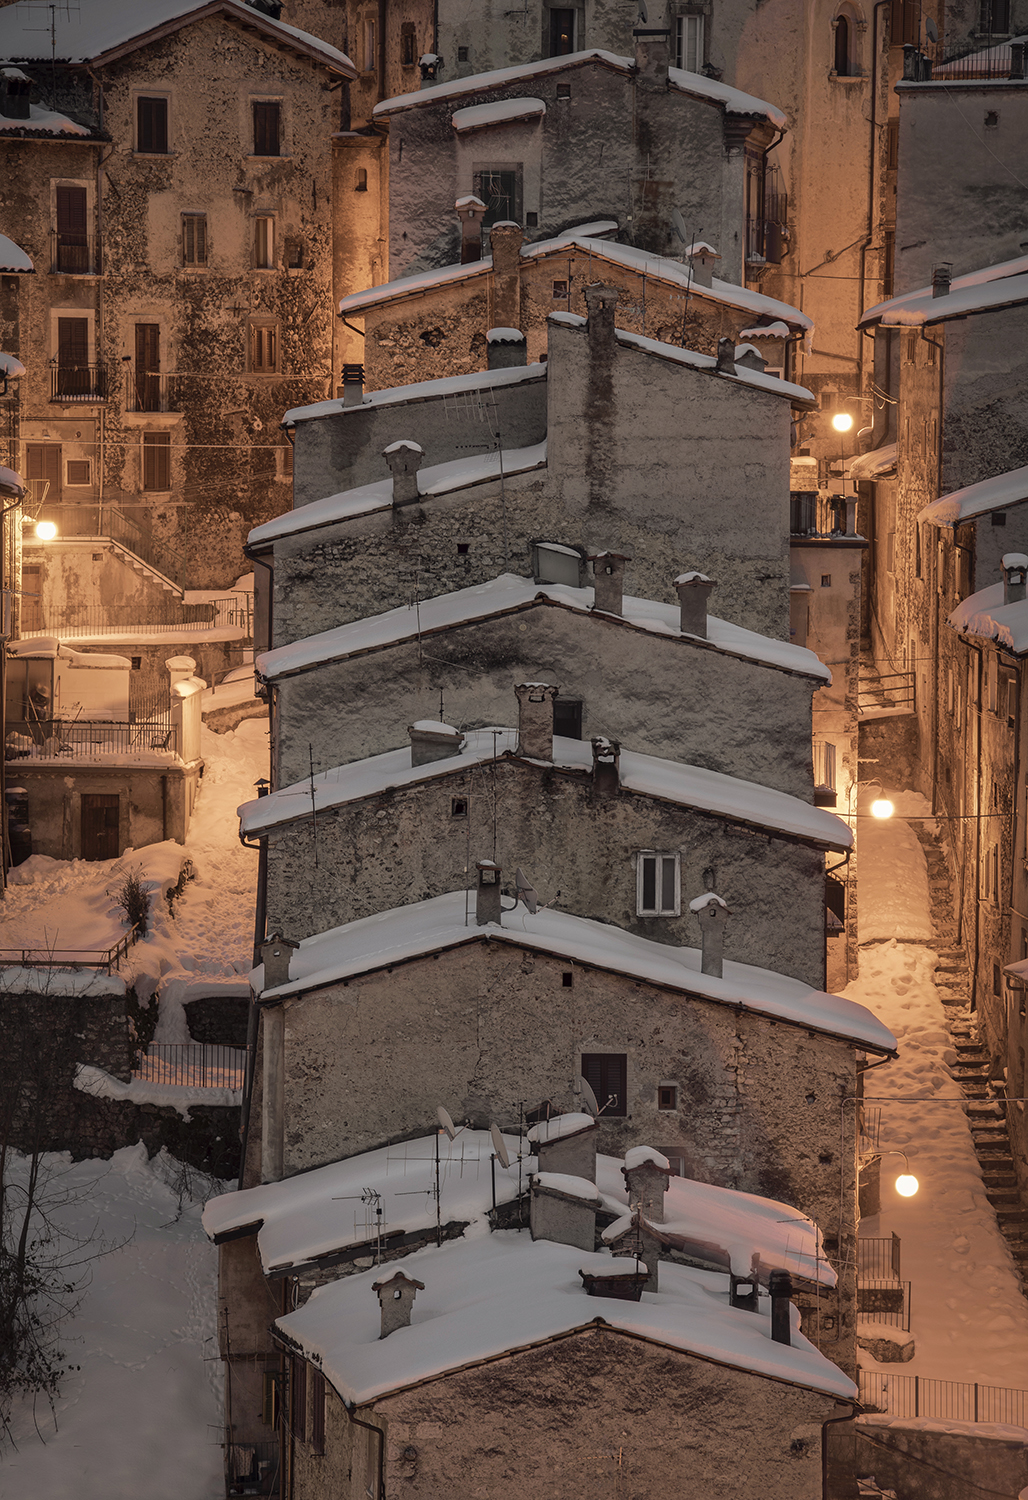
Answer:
(942, 275)
(726, 356)
(1015, 572)
(488, 905)
(701, 258)
(505, 239)
(652, 55)
(750, 357)
(609, 580)
(506, 348)
(713, 914)
(646, 1175)
(566, 1144)
(565, 1214)
(353, 385)
(275, 954)
(780, 1287)
(396, 1295)
(470, 211)
(535, 719)
(404, 458)
(431, 741)
(694, 590)
(15, 94)
(601, 302)
(606, 766)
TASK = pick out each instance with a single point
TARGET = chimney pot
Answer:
(470, 211)
(1015, 574)
(942, 275)
(646, 1175)
(701, 258)
(609, 580)
(713, 914)
(505, 241)
(780, 1287)
(601, 302)
(431, 741)
(652, 54)
(396, 1295)
(726, 356)
(404, 458)
(353, 385)
(488, 905)
(750, 357)
(694, 590)
(606, 766)
(506, 348)
(275, 954)
(535, 719)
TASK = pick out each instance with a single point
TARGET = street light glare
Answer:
(881, 807)
(46, 531)
(906, 1185)
(842, 421)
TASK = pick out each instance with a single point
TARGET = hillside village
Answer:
(514, 573)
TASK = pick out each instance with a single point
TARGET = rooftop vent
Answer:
(535, 719)
(713, 913)
(353, 385)
(396, 1295)
(694, 590)
(276, 951)
(488, 893)
(404, 458)
(609, 580)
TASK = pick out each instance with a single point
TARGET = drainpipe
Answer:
(368, 1427)
(933, 647)
(872, 153)
(847, 1417)
(763, 188)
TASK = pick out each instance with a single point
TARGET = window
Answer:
(294, 255)
(499, 190)
(667, 1096)
(298, 1398)
(264, 243)
(904, 22)
(892, 145)
(560, 291)
(998, 518)
(408, 45)
(267, 123)
(567, 718)
(360, 183)
(78, 471)
(994, 17)
(563, 91)
(562, 32)
(675, 1159)
(826, 580)
(71, 252)
(74, 377)
(156, 461)
(462, 54)
(911, 347)
(658, 885)
(152, 126)
(606, 1073)
(317, 1411)
(264, 348)
(147, 391)
(841, 63)
(194, 239)
(458, 807)
(370, 49)
(689, 43)
(567, 979)
(890, 552)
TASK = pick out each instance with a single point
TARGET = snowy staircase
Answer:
(882, 692)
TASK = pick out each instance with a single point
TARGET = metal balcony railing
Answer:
(252, 1468)
(195, 1065)
(149, 390)
(73, 253)
(77, 382)
(166, 617)
(88, 740)
(815, 513)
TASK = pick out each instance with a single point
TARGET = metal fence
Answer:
(946, 1400)
(107, 959)
(252, 1468)
(195, 1065)
(1003, 60)
(879, 1258)
(886, 1301)
(50, 739)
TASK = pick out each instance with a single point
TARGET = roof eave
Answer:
(252, 21)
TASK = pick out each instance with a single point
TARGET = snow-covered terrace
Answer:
(694, 787)
(445, 922)
(997, 493)
(984, 614)
(1001, 285)
(495, 1294)
(509, 594)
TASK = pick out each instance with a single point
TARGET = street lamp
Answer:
(46, 531)
(842, 421)
(881, 807)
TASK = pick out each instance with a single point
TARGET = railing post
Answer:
(976, 1400)
(917, 1395)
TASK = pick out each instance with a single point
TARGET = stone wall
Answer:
(927, 1459)
(155, 803)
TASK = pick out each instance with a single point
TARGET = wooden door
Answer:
(43, 462)
(148, 365)
(31, 598)
(100, 822)
(73, 373)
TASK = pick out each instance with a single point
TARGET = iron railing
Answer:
(195, 1065)
(85, 740)
(887, 690)
(885, 1302)
(69, 621)
(1003, 60)
(110, 522)
(815, 513)
(77, 382)
(107, 959)
(252, 1468)
(73, 253)
(944, 1400)
(149, 390)
(879, 1258)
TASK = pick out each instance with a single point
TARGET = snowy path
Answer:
(968, 1314)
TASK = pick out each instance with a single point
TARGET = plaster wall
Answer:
(406, 846)
(90, 573)
(155, 803)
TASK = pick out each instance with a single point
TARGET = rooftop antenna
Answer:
(449, 1129)
(588, 1098)
(499, 1154)
(931, 30)
(373, 1198)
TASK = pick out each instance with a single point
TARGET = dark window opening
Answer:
(408, 45)
(317, 1411)
(294, 254)
(498, 190)
(567, 980)
(360, 184)
(267, 122)
(156, 461)
(152, 126)
(458, 807)
(298, 1399)
(562, 32)
(606, 1073)
(560, 291)
(563, 91)
(998, 518)
(463, 548)
(994, 17)
(462, 54)
(542, 1111)
(137, 663)
(194, 239)
(532, 222)
(842, 47)
(567, 718)
(72, 239)
(667, 1096)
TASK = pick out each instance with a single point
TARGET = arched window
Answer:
(361, 180)
(842, 47)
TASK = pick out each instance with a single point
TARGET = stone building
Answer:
(170, 171)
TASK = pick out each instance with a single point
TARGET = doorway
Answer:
(101, 816)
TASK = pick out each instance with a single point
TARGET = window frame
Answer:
(513, 199)
(599, 1064)
(147, 97)
(260, 335)
(261, 136)
(695, 21)
(263, 255)
(196, 260)
(659, 858)
(157, 445)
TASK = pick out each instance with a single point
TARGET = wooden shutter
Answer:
(72, 342)
(148, 364)
(152, 126)
(156, 461)
(266, 119)
(194, 239)
(606, 1073)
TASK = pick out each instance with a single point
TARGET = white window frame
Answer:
(658, 909)
(267, 249)
(689, 39)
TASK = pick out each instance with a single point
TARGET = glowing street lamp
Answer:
(906, 1183)
(881, 807)
(46, 531)
(842, 421)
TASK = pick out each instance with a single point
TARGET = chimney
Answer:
(353, 385)
(601, 301)
(694, 590)
(535, 719)
(396, 1295)
(713, 913)
(780, 1287)
(566, 1144)
(470, 211)
(404, 460)
(701, 258)
(430, 64)
(606, 766)
(942, 275)
(275, 953)
(646, 1175)
(431, 741)
(505, 239)
(744, 1293)
(488, 906)
(506, 348)
(726, 356)
(652, 55)
(1015, 571)
(609, 580)
(750, 357)
(15, 94)
(180, 668)
(564, 1211)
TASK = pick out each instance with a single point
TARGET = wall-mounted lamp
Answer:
(46, 531)
(842, 421)
(881, 807)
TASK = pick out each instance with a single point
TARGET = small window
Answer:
(991, 119)
(194, 239)
(137, 663)
(317, 1411)
(667, 1096)
(658, 885)
(152, 126)
(498, 189)
(563, 91)
(560, 291)
(689, 43)
(267, 127)
(156, 461)
(826, 580)
(675, 1159)
(462, 54)
(532, 222)
(998, 518)
(294, 254)
(458, 807)
(360, 182)
(911, 344)
(264, 348)
(994, 17)
(567, 979)
(842, 64)
(567, 718)
(562, 32)
(264, 243)
(463, 548)
(78, 471)
(892, 145)
(606, 1073)
(408, 45)
(370, 48)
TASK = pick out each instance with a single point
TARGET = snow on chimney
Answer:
(404, 459)
(750, 357)
(563, 1209)
(396, 1295)
(780, 1287)
(646, 1175)
(505, 240)
(609, 580)
(601, 301)
(726, 356)
(701, 258)
(353, 385)
(694, 590)
(275, 954)
(488, 906)
(470, 211)
(652, 55)
(606, 766)
(713, 913)
(566, 1144)
(506, 348)
(942, 275)
(1015, 572)
(535, 719)
(431, 741)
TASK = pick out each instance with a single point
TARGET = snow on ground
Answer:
(139, 1414)
(968, 1314)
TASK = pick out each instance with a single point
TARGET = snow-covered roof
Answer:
(734, 101)
(410, 932)
(559, 1127)
(12, 256)
(1002, 285)
(985, 614)
(500, 112)
(421, 390)
(436, 479)
(876, 464)
(40, 121)
(104, 29)
(11, 482)
(498, 1293)
(509, 592)
(997, 493)
(786, 319)
(649, 775)
(10, 365)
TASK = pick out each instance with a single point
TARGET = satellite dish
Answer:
(644, 14)
(499, 1146)
(931, 29)
(588, 1097)
(446, 1123)
(678, 224)
(525, 891)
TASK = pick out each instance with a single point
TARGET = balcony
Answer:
(73, 253)
(82, 740)
(77, 383)
(149, 390)
(817, 515)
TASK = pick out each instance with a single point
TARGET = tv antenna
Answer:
(373, 1198)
